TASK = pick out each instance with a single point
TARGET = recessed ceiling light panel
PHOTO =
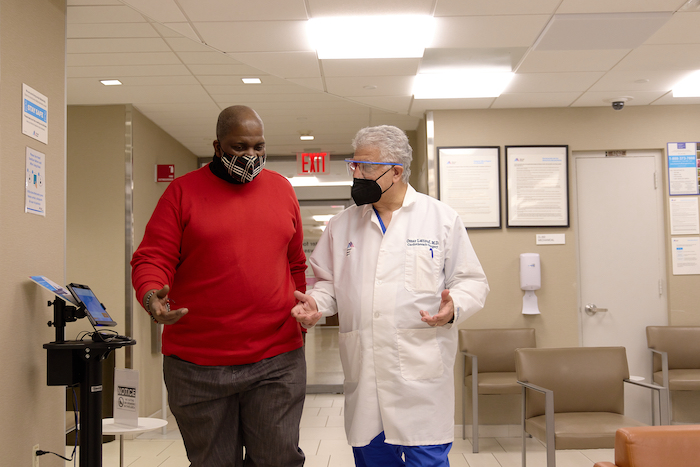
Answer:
(460, 85)
(400, 36)
(688, 87)
(111, 82)
(251, 80)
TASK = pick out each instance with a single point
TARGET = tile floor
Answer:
(322, 436)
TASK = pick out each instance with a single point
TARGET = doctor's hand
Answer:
(159, 307)
(444, 314)
(305, 312)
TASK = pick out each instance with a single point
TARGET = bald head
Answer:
(236, 118)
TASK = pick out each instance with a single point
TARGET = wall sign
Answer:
(537, 186)
(35, 114)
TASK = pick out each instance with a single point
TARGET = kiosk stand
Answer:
(80, 362)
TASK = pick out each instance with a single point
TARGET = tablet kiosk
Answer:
(96, 313)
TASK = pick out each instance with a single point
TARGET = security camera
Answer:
(619, 102)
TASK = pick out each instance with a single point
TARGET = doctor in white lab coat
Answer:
(401, 273)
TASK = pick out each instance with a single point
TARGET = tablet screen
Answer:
(96, 313)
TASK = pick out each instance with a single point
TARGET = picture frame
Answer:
(469, 182)
(537, 186)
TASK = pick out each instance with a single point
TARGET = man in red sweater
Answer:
(218, 265)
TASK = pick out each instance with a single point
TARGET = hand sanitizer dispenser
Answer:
(530, 281)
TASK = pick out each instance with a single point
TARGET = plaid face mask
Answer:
(243, 169)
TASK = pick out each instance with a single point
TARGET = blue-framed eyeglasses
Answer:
(365, 166)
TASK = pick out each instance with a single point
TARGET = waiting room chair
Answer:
(492, 368)
(656, 446)
(574, 398)
(675, 358)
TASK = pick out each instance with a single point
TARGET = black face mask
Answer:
(367, 191)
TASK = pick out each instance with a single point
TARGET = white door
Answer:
(619, 211)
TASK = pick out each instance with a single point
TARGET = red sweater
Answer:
(232, 254)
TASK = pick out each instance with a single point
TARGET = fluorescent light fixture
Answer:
(251, 80)
(306, 138)
(322, 217)
(460, 85)
(111, 82)
(688, 87)
(391, 36)
(314, 181)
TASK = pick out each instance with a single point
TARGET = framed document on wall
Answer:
(537, 186)
(469, 182)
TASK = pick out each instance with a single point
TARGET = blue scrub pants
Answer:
(380, 454)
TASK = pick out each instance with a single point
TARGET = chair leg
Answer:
(464, 410)
(475, 406)
(549, 424)
(522, 425)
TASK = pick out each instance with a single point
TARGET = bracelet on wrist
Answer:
(147, 305)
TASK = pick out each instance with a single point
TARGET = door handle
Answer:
(591, 309)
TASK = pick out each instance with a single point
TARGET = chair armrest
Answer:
(475, 367)
(534, 387)
(664, 365)
(664, 417)
(548, 419)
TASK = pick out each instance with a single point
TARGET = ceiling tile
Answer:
(116, 45)
(259, 10)
(552, 82)
(321, 8)
(268, 91)
(631, 81)
(535, 99)
(255, 36)
(604, 99)
(284, 65)
(495, 7)
(399, 104)
(371, 67)
(93, 2)
(112, 72)
(682, 28)
(662, 57)
(184, 29)
(103, 14)
(420, 106)
(313, 83)
(140, 58)
(163, 11)
(668, 99)
(600, 31)
(384, 86)
(618, 6)
(207, 58)
(185, 44)
(95, 30)
(488, 31)
(167, 31)
(552, 61)
(234, 69)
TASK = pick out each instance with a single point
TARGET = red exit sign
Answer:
(313, 162)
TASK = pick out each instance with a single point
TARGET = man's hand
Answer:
(159, 307)
(305, 312)
(444, 314)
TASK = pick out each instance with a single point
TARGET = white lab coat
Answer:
(399, 374)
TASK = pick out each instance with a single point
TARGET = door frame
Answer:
(661, 213)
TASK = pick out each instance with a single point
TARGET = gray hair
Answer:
(392, 143)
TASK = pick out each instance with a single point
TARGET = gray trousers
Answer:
(222, 409)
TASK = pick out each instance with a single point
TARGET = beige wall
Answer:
(32, 50)
(151, 146)
(582, 129)
(96, 218)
